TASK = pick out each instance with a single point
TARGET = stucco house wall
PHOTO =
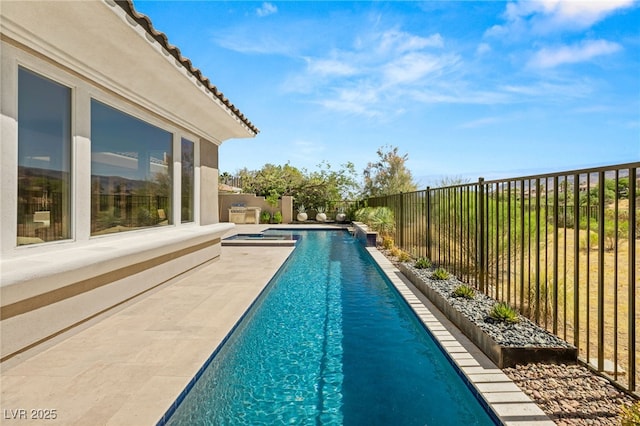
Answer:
(285, 205)
(102, 50)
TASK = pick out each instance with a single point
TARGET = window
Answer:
(44, 159)
(131, 172)
(187, 180)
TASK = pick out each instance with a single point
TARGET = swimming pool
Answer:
(329, 342)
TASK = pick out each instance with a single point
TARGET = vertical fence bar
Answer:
(588, 273)
(459, 233)
(556, 209)
(615, 279)
(428, 209)
(576, 263)
(480, 221)
(564, 251)
(438, 233)
(402, 220)
(546, 254)
(537, 264)
(448, 223)
(632, 277)
(509, 242)
(521, 244)
(529, 245)
(600, 295)
(496, 257)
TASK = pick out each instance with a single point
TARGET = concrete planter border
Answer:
(502, 356)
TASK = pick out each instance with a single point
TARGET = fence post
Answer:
(601, 236)
(481, 232)
(576, 255)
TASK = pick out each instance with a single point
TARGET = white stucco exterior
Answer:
(101, 52)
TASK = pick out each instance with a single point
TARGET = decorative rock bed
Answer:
(506, 344)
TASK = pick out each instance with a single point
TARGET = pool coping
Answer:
(500, 394)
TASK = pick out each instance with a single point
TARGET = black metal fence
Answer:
(561, 248)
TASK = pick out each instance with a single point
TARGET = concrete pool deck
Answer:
(130, 366)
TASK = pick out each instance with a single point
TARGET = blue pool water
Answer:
(330, 342)
(262, 236)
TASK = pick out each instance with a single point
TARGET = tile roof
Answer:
(160, 37)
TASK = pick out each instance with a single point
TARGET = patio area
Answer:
(129, 367)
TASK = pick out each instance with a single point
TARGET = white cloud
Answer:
(553, 57)
(573, 89)
(483, 48)
(266, 9)
(330, 67)
(549, 16)
(362, 99)
(400, 42)
(412, 67)
(369, 77)
(580, 14)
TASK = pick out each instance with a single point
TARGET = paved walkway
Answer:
(128, 368)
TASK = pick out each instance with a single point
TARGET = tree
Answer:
(326, 187)
(389, 175)
(282, 179)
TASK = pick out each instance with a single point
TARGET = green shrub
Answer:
(379, 219)
(265, 217)
(440, 274)
(465, 291)
(423, 263)
(364, 215)
(630, 415)
(382, 221)
(277, 217)
(503, 312)
(589, 241)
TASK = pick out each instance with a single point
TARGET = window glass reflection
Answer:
(187, 180)
(130, 172)
(44, 158)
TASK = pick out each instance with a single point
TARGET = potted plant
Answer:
(321, 216)
(302, 213)
(341, 216)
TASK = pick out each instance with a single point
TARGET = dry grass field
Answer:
(615, 334)
(616, 303)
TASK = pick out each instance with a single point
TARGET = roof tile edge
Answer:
(160, 37)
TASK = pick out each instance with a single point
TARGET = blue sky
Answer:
(465, 88)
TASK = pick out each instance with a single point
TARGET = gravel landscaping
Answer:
(523, 333)
(570, 394)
